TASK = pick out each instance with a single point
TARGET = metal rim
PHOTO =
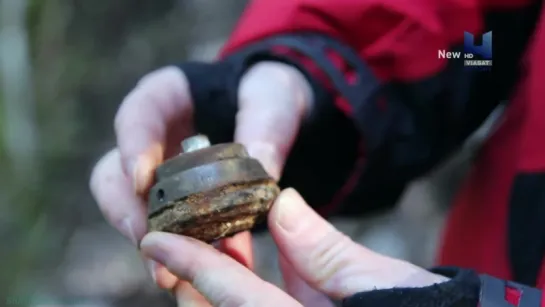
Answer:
(204, 178)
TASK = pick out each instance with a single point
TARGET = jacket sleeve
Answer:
(378, 89)
(390, 108)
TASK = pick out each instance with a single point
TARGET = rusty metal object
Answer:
(210, 192)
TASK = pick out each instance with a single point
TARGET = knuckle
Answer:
(327, 256)
(204, 280)
(267, 78)
(167, 82)
(146, 88)
(282, 82)
(150, 78)
(122, 117)
(157, 95)
(137, 111)
(100, 171)
(161, 74)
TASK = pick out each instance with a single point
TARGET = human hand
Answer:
(158, 114)
(317, 262)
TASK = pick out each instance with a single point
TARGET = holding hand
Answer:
(158, 113)
(314, 255)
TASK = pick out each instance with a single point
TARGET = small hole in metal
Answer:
(161, 195)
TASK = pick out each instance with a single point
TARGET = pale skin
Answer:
(316, 260)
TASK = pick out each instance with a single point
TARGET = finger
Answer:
(218, 277)
(297, 288)
(161, 276)
(187, 296)
(164, 279)
(141, 123)
(123, 209)
(273, 99)
(239, 247)
(115, 197)
(324, 257)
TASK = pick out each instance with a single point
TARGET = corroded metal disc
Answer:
(210, 193)
(204, 178)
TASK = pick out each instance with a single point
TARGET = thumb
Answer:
(273, 99)
(297, 288)
(330, 261)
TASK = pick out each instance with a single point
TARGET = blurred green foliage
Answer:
(85, 55)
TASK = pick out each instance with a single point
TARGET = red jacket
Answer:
(497, 224)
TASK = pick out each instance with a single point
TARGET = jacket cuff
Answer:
(465, 289)
(461, 290)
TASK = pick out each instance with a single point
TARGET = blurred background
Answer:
(64, 68)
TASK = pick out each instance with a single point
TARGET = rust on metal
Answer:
(210, 192)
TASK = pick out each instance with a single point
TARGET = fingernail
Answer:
(127, 230)
(160, 275)
(141, 172)
(290, 211)
(269, 157)
(136, 173)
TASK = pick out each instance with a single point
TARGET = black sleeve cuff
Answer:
(213, 88)
(465, 289)
(461, 291)
(324, 154)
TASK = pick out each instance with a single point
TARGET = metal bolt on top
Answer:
(195, 143)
